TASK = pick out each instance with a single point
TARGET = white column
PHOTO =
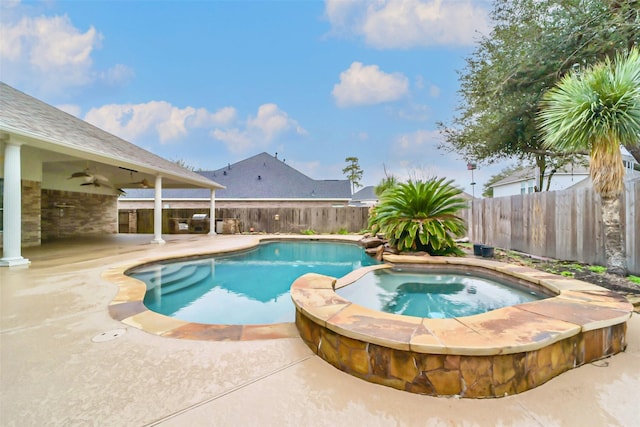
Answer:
(157, 212)
(12, 203)
(212, 212)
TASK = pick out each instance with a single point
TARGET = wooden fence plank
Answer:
(565, 224)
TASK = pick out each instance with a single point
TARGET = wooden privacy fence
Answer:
(268, 220)
(565, 224)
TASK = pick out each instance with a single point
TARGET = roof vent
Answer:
(259, 177)
(224, 172)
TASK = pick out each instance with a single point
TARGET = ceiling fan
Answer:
(89, 178)
(143, 183)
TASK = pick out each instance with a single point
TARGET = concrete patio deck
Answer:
(52, 373)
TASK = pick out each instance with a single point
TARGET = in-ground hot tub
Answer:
(494, 354)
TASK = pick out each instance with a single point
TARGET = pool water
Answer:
(434, 294)
(249, 287)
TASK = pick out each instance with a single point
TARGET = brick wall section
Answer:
(31, 202)
(30, 213)
(89, 214)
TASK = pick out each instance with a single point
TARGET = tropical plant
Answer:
(598, 109)
(386, 183)
(422, 216)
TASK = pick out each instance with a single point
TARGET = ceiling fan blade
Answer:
(144, 183)
(83, 174)
(101, 178)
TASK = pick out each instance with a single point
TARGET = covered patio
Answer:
(61, 177)
(63, 364)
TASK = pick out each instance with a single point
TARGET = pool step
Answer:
(183, 281)
(176, 277)
(148, 274)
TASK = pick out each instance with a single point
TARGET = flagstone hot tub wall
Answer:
(494, 354)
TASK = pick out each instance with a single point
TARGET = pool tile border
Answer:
(127, 306)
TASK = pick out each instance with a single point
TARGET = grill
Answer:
(199, 223)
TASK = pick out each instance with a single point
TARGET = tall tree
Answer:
(532, 45)
(353, 172)
(597, 110)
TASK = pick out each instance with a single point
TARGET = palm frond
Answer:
(597, 109)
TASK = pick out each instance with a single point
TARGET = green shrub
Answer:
(597, 269)
(576, 267)
(421, 216)
(343, 231)
(634, 279)
(308, 232)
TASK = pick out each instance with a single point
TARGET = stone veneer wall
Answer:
(31, 202)
(459, 375)
(87, 214)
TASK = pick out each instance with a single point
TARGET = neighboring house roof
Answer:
(76, 141)
(528, 173)
(365, 194)
(259, 177)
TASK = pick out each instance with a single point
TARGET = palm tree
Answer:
(421, 215)
(387, 182)
(598, 109)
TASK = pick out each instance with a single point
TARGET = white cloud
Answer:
(49, 49)
(258, 131)
(389, 24)
(223, 117)
(367, 85)
(132, 121)
(49, 54)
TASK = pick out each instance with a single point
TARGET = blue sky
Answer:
(214, 82)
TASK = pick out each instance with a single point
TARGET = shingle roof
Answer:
(365, 194)
(529, 172)
(260, 177)
(42, 123)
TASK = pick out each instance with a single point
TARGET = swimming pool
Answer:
(434, 293)
(243, 288)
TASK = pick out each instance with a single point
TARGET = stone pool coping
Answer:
(494, 354)
(577, 307)
(128, 308)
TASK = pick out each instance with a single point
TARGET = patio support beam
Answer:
(212, 212)
(12, 203)
(157, 212)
